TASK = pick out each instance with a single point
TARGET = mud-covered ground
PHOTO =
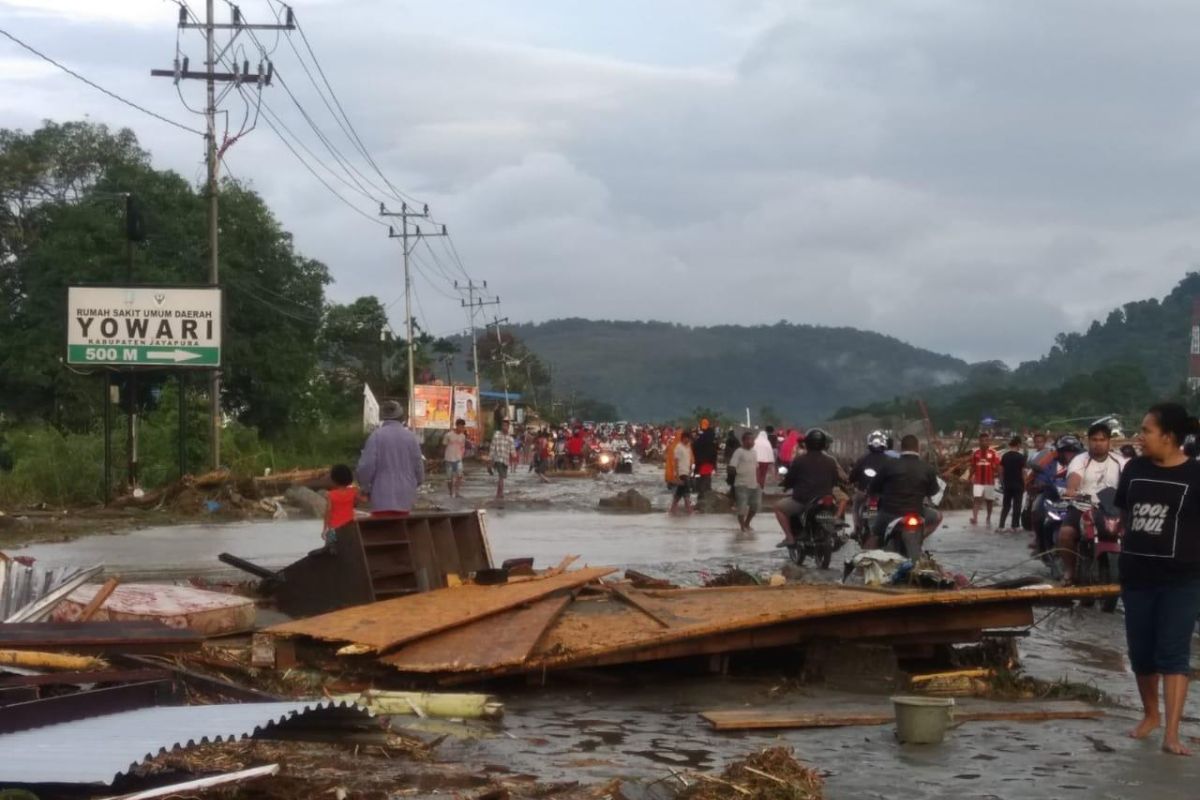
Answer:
(644, 723)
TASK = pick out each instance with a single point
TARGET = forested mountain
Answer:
(658, 370)
(1152, 334)
(1135, 357)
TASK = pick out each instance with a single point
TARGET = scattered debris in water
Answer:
(773, 774)
(732, 576)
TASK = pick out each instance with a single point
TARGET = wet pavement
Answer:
(643, 724)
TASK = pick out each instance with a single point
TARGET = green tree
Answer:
(62, 191)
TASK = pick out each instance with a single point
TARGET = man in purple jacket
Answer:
(391, 469)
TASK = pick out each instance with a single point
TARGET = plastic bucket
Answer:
(923, 720)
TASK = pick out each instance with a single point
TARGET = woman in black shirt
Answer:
(1160, 567)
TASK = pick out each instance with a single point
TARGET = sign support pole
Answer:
(107, 406)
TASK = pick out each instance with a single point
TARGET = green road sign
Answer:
(144, 356)
(144, 326)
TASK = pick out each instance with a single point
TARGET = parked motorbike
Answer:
(819, 533)
(1100, 542)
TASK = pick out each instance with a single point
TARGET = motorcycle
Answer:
(624, 461)
(865, 512)
(1053, 510)
(820, 534)
(1100, 543)
(605, 461)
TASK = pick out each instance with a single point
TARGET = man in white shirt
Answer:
(1087, 475)
(746, 491)
(455, 442)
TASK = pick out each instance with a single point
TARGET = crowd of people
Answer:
(1155, 485)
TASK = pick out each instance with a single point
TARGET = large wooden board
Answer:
(962, 624)
(388, 624)
(501, 640)
(773, 719)
(596, 628)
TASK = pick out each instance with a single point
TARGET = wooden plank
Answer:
(469, 538)
(97, 637)
(91, 608)
(391, 623)
(442, 531)
(627, 597)
(501, 640)
(774, 719)
(425, 566)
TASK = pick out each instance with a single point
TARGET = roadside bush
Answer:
(61, 469)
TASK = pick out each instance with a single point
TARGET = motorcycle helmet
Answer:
(816, 440)
(877, 441)
(1068, 443)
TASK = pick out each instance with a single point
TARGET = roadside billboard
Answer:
(432, 407)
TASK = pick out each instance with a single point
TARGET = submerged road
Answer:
(645, 724)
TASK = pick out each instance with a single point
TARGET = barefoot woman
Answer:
(1160, 567)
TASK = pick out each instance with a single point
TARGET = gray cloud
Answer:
(967, 175)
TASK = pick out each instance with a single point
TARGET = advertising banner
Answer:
(432, 406)
(466, 405)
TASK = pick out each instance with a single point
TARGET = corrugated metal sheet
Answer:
(22, 586)
(97, 750)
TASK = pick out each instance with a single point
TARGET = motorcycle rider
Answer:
(813, 474)
(874, 460)
(902, 486)
(1087, 474)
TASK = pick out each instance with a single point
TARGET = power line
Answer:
(362, 147)
(97, 86)
(324, 183)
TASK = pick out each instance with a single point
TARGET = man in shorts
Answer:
(684, 462)
(984, 463)
(500, 454)
(743, 463)
(455, 444)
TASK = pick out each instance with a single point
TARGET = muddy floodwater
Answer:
(642, 725)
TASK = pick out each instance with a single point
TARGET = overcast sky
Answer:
(971, 176)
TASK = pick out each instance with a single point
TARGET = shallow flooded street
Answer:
(641, 723)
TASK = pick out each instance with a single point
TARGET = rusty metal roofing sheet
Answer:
(97, 750)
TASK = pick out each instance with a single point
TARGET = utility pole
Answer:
(231, 79)
(404, 214)
(475, 304)
(503, 366)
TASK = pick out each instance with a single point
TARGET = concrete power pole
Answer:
(404, 236)
(503, 365)
(475, 304)
(211, 77)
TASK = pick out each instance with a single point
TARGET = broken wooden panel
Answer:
(388, 624)
(594, 615)
(502, 640)
(595, 629)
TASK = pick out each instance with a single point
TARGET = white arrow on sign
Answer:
(171, 355)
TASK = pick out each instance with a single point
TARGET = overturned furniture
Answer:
(379, 559)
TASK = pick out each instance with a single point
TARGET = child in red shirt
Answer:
(340, 501)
